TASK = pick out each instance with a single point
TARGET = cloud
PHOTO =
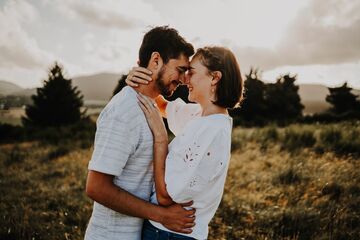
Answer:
(17, 48)
(325, 32)
(109, 13)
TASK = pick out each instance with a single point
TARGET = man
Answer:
(120, 174)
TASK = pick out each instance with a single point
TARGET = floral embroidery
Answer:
(193, 182)
(191, 154)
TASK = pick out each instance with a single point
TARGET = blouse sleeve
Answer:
(179, 113)
(190, 168)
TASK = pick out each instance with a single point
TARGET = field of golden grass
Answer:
(298, 182)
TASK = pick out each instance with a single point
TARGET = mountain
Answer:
(97, 87)
(7, 88)
(313, 97)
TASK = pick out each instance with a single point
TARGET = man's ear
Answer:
(155, 62)
(216, 77)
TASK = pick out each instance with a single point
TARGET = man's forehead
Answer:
(182, 61)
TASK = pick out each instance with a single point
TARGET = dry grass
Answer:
(276, 188)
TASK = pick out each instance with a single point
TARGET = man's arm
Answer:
(100, 188)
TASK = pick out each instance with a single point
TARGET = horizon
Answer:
(112, 73)
(307, 38)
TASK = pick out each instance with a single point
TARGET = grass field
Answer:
(299, 182)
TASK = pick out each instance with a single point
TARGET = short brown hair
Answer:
(230, 88)
(167, 42)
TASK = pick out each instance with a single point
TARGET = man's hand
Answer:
(178, 219)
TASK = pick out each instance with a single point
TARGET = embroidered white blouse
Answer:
(197, 162)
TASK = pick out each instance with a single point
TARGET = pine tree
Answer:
(253, 108)
(57, 103)
(342, 99)
(283, 100)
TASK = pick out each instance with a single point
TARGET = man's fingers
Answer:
(184, 230)
(190, 219)
(189, 225)
(187, 204)
(141, 69)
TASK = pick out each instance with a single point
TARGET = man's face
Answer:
(171, 75)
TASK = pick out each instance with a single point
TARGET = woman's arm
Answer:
(159, 132)
(160, 153)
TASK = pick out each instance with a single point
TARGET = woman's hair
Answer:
(229, 89)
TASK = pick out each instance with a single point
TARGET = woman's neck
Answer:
(210, 108)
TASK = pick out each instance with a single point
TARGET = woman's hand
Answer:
(138, 75)
(153, 118)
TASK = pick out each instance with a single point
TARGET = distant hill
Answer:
(7, 88)
(313, 97)
(98, 88)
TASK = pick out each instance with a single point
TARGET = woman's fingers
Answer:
(141, 69)
(143, 108)
(136, 79)
(148, 102)
(138, 75)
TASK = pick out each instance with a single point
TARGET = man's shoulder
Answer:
(124, 105)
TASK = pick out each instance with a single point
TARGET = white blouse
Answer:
(197, 162)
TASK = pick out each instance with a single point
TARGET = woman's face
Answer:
(198, 81)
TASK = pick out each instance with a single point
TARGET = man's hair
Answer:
(167, 42)
(230, 88)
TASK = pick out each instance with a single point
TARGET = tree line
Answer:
(58, 103)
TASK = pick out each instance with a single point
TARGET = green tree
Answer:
(253, 107)
(283, 100)
(342, 99)
(57, 103)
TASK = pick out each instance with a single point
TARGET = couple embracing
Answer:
(142, 187)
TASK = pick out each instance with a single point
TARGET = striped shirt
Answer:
(123, 148)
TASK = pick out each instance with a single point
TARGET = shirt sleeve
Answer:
(113, 144)
(190, 168)
(179, 113)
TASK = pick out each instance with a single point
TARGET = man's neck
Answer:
(149, 90)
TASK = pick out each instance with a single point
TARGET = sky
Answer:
(319, 40)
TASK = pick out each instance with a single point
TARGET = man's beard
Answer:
(160, 83)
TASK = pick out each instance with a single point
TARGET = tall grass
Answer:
(292, 183)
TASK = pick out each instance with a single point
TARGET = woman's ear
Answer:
(216, 77)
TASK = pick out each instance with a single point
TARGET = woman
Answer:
(194, 165)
